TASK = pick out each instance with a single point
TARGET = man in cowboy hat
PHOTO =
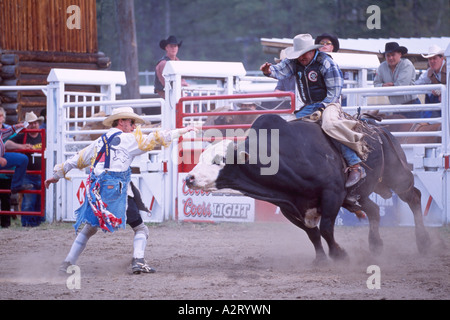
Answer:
(108, 186)
(319, 81)
(171, 47)
(330, 43)
(436, 74)
(397, 71)
(30, 141)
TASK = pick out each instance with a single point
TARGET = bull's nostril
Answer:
(189, 179)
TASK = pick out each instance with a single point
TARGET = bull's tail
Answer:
(395, 145)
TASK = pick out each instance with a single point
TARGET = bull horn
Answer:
(244, 157)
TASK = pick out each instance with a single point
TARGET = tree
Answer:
(128, 49)
(230, 30)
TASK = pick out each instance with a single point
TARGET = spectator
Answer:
(171, 47)
(5, 181)
(435, 74)
(12, 160)
(329, 42)
(44, 122)
(397, 71)
(30, 141)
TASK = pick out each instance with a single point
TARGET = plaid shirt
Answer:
(330, 71)
(5, 132)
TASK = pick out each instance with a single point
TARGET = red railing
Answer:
(32, 172)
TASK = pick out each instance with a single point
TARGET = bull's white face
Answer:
(211, 161)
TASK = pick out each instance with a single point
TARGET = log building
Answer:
(38, 35)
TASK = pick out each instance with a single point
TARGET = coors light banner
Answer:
(196, 205)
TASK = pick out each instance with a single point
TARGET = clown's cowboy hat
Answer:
(170, 40)
(302, 43)
(123, 113)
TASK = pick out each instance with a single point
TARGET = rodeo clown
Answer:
(112, 201)
(319, 82)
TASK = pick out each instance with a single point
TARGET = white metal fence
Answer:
(429, 161)
(71, 113)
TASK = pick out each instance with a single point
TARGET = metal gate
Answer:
(429, 161)
(75, 120)
(68, 112)
(39, 153)
(243, 109)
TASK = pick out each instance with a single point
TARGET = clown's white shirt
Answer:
(124, 148)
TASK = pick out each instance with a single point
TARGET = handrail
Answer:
(181, 114)
(42, 172)
(394, 90)
(402, 90)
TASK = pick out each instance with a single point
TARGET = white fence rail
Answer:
(430, 161)
(402, 90)
(69, 112)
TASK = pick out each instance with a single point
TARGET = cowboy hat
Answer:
(32, 117)
(170, 40)
(282, 56)
(122, 113)
(394, 47)
(302, 43)
(434, 50)
(334, 40)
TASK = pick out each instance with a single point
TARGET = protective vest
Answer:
(310, 81)
(158, 85)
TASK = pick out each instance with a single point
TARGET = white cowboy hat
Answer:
(434, 50)
(302, 44)
(32, 117)
(122, 113)
(282, 56)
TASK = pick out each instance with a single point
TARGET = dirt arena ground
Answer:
(256, 261)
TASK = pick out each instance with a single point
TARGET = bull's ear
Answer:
(218, 159)
(243, 157)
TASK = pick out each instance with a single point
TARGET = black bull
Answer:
(311, 175)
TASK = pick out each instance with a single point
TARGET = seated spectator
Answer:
(32, 141)
(5, 182)
(436, 74)
(12, 160)
(397, 71)
(329, 42)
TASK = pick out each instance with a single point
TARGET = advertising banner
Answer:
(200, 206)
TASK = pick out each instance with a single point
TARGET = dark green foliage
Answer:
(230, 30)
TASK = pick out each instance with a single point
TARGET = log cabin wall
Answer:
(38, 35)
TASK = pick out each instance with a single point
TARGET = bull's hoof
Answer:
(423, 241)
(339, 254)
(320, 261)
(375, 245)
